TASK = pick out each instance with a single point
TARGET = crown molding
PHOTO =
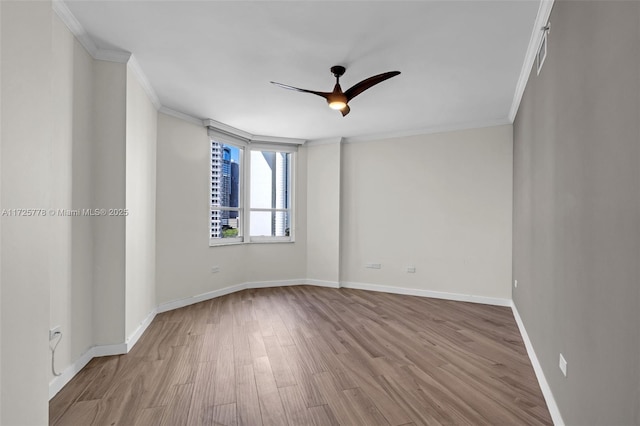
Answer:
(144, 81)
(247, 137)
(63, 12)
(182, 116)
(326, 141)
(119, 56)
(430, 130)
(544, 12)
(225, 128)
(85, 40)
(110, 55)
(277, 140)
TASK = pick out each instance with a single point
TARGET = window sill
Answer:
(271, 242)
(259, 241)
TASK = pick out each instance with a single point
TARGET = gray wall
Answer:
(26, 242)
(577, 211)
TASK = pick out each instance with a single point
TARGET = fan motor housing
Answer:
(338, 70)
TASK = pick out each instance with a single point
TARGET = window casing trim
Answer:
(244, 203)
(228, 138)
(292, 189)
(224, 130)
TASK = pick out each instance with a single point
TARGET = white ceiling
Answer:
(460, 60)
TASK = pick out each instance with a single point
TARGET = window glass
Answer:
(270, 224)
(225, 191)
(270, 193)
(267, 194)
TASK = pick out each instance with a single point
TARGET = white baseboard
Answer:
(69, 373)
(321, 283)
(133, 338)
(109, 350)
(181, 303)
(542, 380)
(122, 348)
(58, 382)
(428, 293)
(268, 284)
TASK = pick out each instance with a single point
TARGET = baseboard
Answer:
(69, 373)
(122, 348)
(268, 284)
(460, 297)
(58, 382)
(322, 283)
(181, 303)
(286, 283)
(109, 350)
(133, 338)
(542, 380)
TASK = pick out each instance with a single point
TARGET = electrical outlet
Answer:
(411, 269)
(563, 365)
(215, 269)
(515, 283)
(54, 332)
(373, 266)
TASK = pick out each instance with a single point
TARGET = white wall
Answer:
(184, 258)
(26, 126)
(72, 244)
(323, 211)
(576, 245)
(82, 238)
(439, 202)
(102, 267)
(1, 207)
(103, 145)
(109, 193)
(140, 267)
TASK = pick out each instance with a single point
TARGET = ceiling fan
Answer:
(338, 99)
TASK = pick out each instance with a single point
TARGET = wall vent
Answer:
(542, 50)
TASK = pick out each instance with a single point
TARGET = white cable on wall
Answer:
(57, 334)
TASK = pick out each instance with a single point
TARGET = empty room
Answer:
(319, 212)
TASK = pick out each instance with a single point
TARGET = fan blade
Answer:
(313, 92)
(368, 83)
(345, 110)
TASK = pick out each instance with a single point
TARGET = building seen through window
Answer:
(225, 190)
(269, 190)
(270, 197)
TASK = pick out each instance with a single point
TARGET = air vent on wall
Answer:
(542, 50)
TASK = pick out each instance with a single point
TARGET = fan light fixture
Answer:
(338, 99)
(337, 102)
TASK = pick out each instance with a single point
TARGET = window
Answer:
(226, 209)
(270, 210)
(260, 177)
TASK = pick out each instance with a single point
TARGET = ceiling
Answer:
(460, 60)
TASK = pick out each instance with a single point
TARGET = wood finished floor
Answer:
(313, 356)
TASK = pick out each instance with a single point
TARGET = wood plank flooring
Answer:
(314, 356)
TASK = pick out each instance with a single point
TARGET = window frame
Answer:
(241, 199)
(292, 173)
(244, 200)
